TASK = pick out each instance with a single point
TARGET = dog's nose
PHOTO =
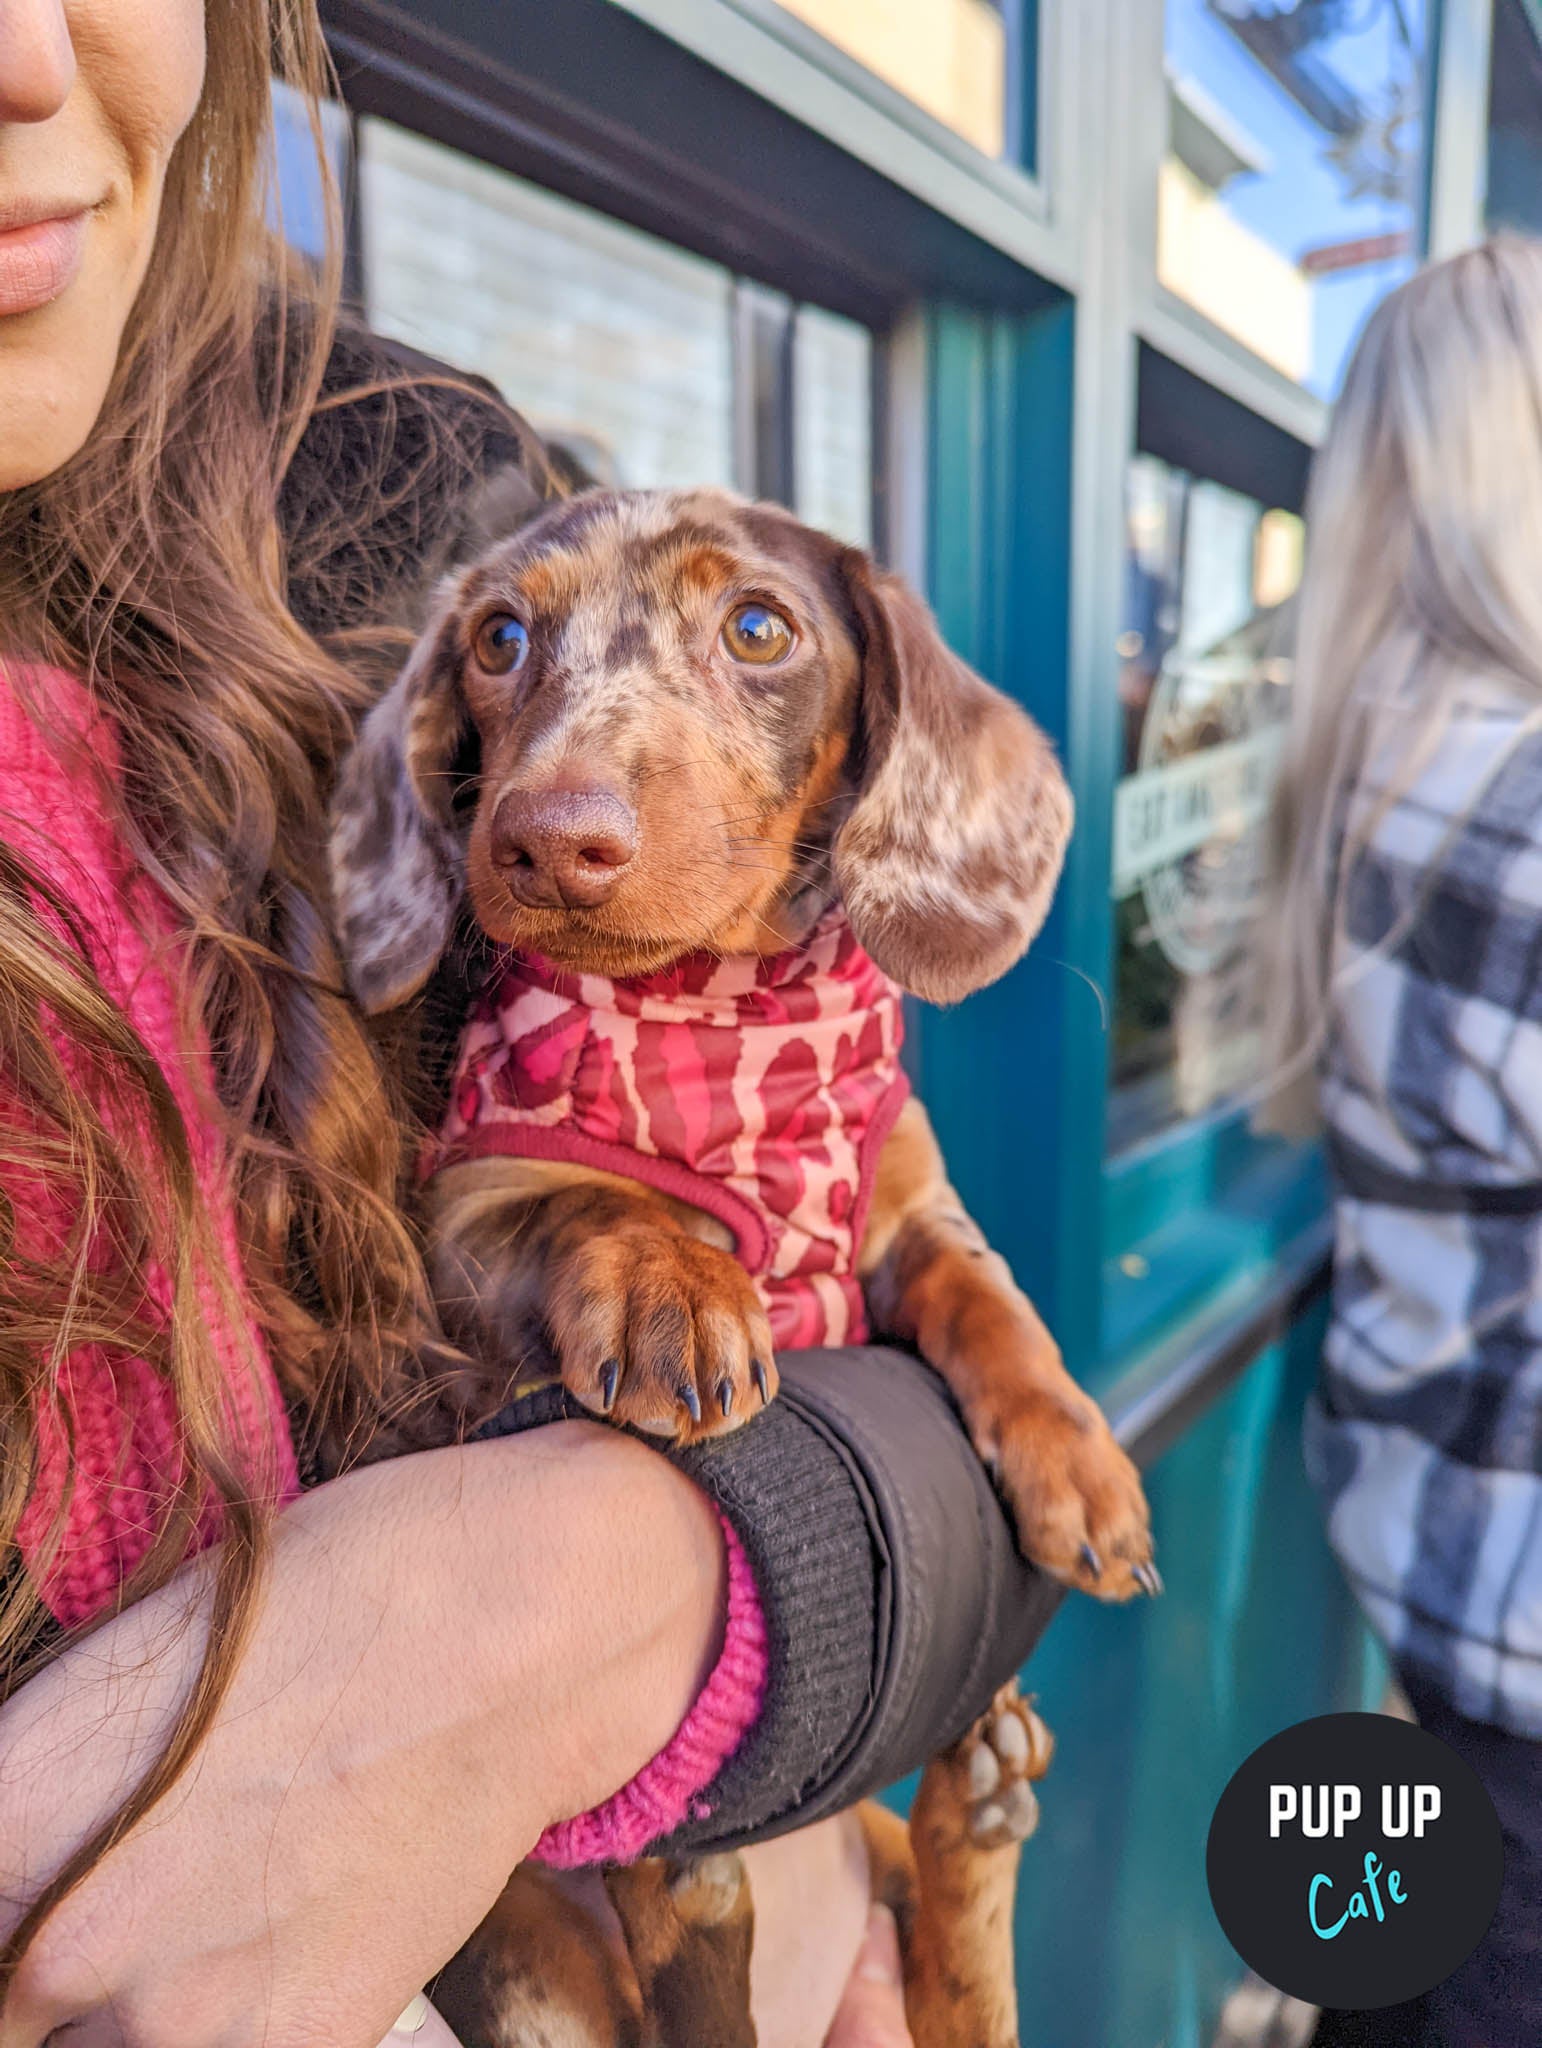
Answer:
(563, 848)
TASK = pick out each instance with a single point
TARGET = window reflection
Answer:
(833, 403)
(1290, 193)
(1204, 689)
(951, 57)
(297, 202)
(613, 343)
(646, 365)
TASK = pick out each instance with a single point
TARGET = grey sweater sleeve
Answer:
(894, 1596)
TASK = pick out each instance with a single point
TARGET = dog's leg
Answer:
(974, 1810)
(950, 1876)
(932, 1280)
(538, 1969)
(622, 1293)
(689, 1928)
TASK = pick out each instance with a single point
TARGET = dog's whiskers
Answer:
(673, 768)
(811, 861)
(756, 817)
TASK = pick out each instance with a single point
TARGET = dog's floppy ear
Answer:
(397, 849)
(950, 855)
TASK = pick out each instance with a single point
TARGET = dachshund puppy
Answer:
(718, 791)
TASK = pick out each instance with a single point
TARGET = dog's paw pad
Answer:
(707, 1889)
(984, 1771)
(1011, 1818)
(1012, 1741)
(1007, 1747)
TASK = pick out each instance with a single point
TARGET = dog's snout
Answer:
(563, 848)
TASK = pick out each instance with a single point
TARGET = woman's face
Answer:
(93, 96)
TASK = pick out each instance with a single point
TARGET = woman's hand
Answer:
(453, 1651)
(872, 2010)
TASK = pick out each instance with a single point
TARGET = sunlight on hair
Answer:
(1421, 593)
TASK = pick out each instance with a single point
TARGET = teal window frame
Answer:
(1012, 203)
(1023, 115)
(1017, 1081)
(1020, 114)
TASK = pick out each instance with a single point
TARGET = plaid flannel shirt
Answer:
(1425, 1435)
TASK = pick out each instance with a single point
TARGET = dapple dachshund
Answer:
(718, 791)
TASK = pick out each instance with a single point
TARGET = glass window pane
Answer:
(833, 402)
(1204, 687)
(1515, 119)
(951, 57)
(296, 200)
(1290, 193)
(613, 344)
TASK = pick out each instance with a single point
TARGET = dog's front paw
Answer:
(1077, 1500)
(657, 1329)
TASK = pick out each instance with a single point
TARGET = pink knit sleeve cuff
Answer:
(670, 1789)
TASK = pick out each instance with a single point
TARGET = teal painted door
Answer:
(1154, 1708)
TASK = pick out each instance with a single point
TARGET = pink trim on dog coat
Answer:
(760, 1091)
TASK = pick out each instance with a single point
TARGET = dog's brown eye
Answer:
(753, 632)
(501, 644)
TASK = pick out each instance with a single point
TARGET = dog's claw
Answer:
(610, 1379)
(762, 1380)
(1149, 1579)
(1092, 1561)
(691, 1399)
(725, 1396)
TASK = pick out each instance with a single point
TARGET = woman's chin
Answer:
(49, 399)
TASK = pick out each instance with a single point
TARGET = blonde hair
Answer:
(1423, 586)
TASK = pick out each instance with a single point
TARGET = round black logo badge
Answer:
(1354, 1861)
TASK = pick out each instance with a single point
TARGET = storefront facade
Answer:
(1045, 300)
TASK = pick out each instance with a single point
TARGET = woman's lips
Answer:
(39, 261)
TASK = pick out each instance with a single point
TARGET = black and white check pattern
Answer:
(1425, 1437)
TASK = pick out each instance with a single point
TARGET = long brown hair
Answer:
(152, 566)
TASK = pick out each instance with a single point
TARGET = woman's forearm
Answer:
(595, 1608)
(561, 1593)
(453, 1651)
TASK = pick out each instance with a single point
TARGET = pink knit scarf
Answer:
(110, 1450)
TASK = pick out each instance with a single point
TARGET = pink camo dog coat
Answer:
(760, 1091)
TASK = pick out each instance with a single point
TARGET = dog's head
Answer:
(650, 723)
